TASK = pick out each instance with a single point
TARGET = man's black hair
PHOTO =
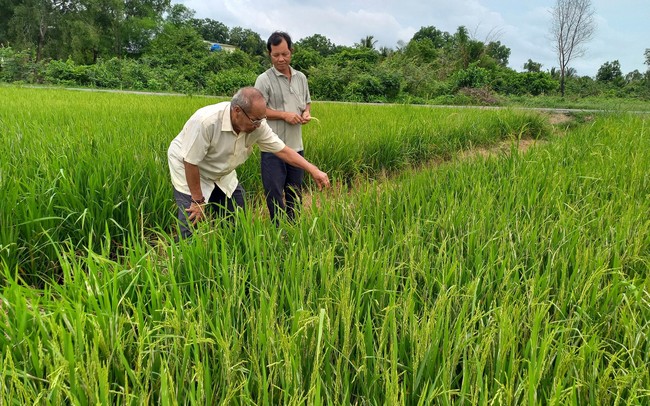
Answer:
(276, 38)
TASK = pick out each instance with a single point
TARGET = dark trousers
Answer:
(282, 186)
(218, 204)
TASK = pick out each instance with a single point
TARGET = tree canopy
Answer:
(156, 45)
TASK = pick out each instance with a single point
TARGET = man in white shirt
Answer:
(216, 140)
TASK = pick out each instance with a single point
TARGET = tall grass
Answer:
(520, 278)
(80, 164)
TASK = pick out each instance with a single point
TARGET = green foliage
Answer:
(422, 51)
(531, 66)
(364, 88)
(438, 39)
(179, 15)
(211, 30)
(176, 47)
(610, 72)
(18, 66)
(66, 73)
(356, 59)
(343, 79)
(216, 62)
(107, 74)
(583, 86)
(473, 76)
(499, 52)
(248, 41)
(532, 83)
(305, 58)
(84, 41)
(227, 82)
(327, 82)
(518, 277)
(318, 43)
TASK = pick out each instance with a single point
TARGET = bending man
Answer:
(216, 140)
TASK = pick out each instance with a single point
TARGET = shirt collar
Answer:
(226, 124)
(278, 73)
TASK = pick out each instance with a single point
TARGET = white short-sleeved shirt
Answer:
(284, 95)
(208, 140)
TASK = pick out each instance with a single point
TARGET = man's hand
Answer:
(321, 179)
(196, 212)
(294, 118)
(293, 158)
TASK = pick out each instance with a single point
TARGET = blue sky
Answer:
(622, 26)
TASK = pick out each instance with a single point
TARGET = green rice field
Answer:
(429, 274)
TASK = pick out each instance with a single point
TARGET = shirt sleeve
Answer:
(306, 84)
(196, 141)
(267, 140)
(262, 84)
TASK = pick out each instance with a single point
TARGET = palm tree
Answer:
(368, 42)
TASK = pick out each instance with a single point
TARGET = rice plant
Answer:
(515, 278)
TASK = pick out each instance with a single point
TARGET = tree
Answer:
(368, 41)
(634, 76)
(6, 11)
(33, 19)
(532, 66)
(610, 72)
(438, 38)
(248, 41)
(500, 53)
(572, 26)
(179, 14)
(422, 50)
(140, 23)
(304, 58)
(318, 43)
(177, 47)
(211, 30)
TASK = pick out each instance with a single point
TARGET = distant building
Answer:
(215, 46)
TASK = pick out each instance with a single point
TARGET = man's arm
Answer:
(193, 177)
(289, 117)
(291, 157)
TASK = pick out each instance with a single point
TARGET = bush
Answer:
(106, 74)
(473, 76)
(227, 82)
(18, 65)
(480, 97)
(327, 82)
(66, 73)
(527, 83)
(364, 88)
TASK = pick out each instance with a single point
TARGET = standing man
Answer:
(216, 140)
(288, 107)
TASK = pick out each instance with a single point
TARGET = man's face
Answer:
(248, 121)
(281, 56)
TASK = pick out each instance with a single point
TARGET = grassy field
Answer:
(514, 278)
(608, 104)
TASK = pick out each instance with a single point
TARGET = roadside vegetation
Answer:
(519, 277)
(163, 47)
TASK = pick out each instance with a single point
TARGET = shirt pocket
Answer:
(240, 156)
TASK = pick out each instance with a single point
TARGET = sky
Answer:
(622, 26)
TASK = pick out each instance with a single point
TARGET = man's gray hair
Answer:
(245, 97)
